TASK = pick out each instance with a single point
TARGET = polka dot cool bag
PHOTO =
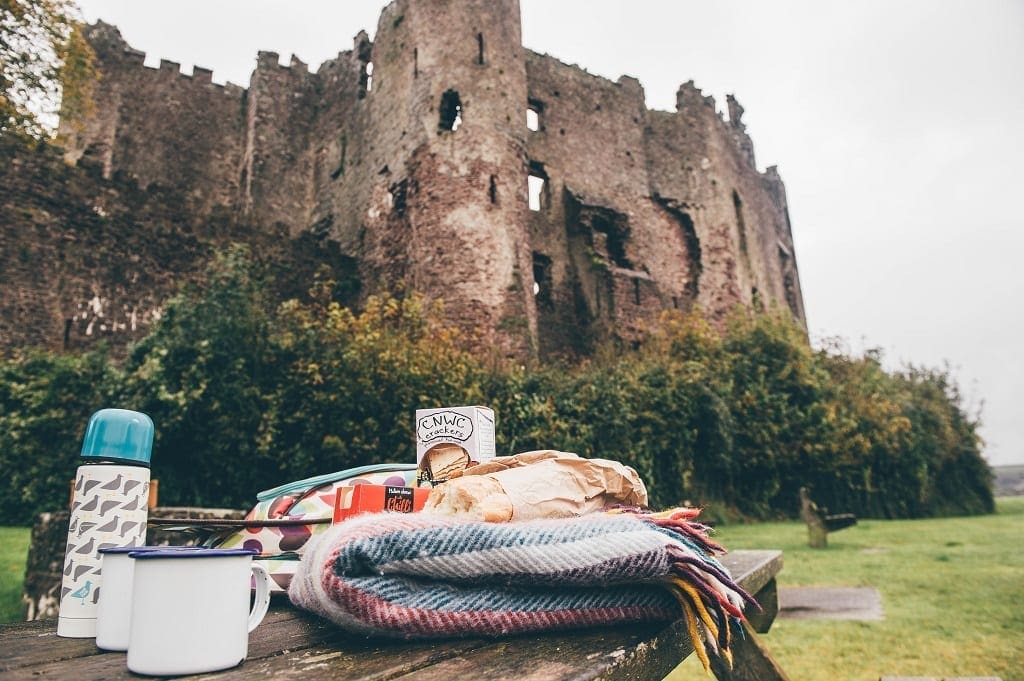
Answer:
(285, 517)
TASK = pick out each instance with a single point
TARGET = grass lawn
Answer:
(952, 592)
(13, 551)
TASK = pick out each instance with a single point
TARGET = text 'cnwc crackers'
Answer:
(449, 439)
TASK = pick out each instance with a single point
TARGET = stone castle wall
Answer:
(412, 155)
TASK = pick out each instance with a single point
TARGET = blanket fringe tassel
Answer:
(698, 582)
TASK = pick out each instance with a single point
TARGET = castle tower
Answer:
(445, 89)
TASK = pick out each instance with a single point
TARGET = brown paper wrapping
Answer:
(552, 484)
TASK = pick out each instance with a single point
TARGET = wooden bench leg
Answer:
(751, 661)
(768, 598)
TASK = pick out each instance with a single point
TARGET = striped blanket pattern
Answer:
(421, 575)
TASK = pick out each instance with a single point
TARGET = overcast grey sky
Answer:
(896, 126)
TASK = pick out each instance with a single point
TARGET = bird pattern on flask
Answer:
(89, 484)
(132, 484)
(135, 504)
(115, 483)
(105, 512)
(127, 527)
(83, 591)
(87, 547)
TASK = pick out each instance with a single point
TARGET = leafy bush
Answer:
(245, 397)
(45, 404)
(354, 380)
(207, 376)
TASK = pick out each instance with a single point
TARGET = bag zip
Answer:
(320, 480)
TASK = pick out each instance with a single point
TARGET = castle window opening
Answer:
(480, 48)
(536, 187)
(538, 193)
(342, 151)
(415, 62)
(492, 190)
(534, 113)
(740, 224)
(451, 111)
(616, 232)
(365, 77)
(755, 299)
(532, 120)
(636, 291)
(542, 279)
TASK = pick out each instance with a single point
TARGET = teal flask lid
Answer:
(119, 434)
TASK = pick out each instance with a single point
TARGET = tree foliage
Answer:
(45, 66)
(245, 397)
(45, 402)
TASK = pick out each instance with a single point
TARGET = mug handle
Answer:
(262, 601)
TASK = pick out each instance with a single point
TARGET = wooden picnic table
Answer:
(291, 642)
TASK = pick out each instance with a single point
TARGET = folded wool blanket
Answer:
(422, 575)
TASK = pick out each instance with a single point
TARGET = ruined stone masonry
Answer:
(545, 204)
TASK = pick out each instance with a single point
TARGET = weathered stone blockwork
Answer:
(412, 153)
(85, 260)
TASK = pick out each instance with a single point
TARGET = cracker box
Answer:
(470, 429)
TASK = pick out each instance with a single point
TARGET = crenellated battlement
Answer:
(202, 76)
(266, 59)
(689, 93)
(118, 56)
(133, 55)
(170, 67)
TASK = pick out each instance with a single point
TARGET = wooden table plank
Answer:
(291, 642)
(348, 657)
(23, 644)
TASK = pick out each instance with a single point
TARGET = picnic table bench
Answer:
(291, 642)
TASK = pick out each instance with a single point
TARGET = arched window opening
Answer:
(451, 111)
(534, 109)
(542, 284)
(537, 187)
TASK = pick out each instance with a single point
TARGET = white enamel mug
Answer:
(190, 610)
(114, 609)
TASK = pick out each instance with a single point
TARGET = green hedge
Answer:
(245, 398)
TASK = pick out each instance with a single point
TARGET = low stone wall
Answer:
(45, 562)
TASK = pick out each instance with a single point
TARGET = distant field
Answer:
(1009, 480)
(13, 551)
(951, 591)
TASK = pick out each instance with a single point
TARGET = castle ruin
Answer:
(544, 204)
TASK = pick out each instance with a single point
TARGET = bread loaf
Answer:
(543, 484)
(477, 497)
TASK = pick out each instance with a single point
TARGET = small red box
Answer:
(351, 501)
